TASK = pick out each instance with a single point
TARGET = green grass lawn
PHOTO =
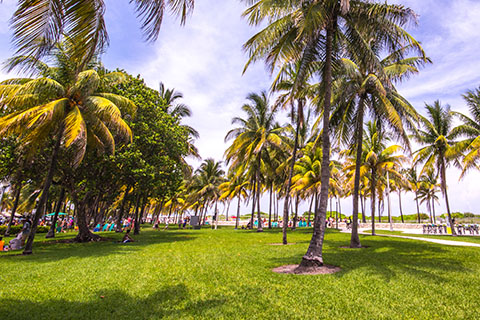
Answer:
(206, 274)
(473, 239)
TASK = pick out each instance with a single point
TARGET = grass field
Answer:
(206, 274)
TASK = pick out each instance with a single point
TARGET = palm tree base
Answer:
(88, 237)
(310, 262)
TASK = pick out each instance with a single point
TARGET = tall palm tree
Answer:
(39, 25)
(71, 108)
(440, 147)
(308, 32)
(252, 139)
(287, 81)
(363, 89)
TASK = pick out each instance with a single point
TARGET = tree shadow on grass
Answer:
(48, 250)
(173, 302)
(387, 258)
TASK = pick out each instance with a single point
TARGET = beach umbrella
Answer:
(60, 214)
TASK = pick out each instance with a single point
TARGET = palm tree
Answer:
(439, 145)
(71, 108)
(428, 192)
(308, 32)
(377, 160)
(413, 185)
(308, 172)
(470, 128)
(287, 81)
(169, 100)
(235, 186)
(39, 25)
(252, 139)
(363, 89)
(208, 177)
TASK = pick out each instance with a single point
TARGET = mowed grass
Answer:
(208, 274)
(463, 238)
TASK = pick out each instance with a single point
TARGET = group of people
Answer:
(19, 241)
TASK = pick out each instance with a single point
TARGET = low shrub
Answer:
(16, 229)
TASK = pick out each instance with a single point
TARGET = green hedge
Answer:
(18, 228)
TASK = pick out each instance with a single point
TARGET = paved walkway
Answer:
(439, 241)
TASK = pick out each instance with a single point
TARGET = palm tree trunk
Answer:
(362, 204)
(429, 207)
(259, 216)
(443, 177)
(228, 209)
(418, 208)
(314, 255)
(43, 198)
(215, 212)
(84, 233)
(433, 211)
(337, 205)
(18, 188)
(118, 227)
(290, 175)
(310, 209)
(373, 194)
(295, 216)
(354, 239)
(270, 209)
(238, 213)
(51, 231)
(380, 209)
(400, 204)
(136, 229)
(254, 196)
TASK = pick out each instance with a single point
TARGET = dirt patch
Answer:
(348, 247)
(295, 269)
(281, 244)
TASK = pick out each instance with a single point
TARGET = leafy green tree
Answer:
(154, 163)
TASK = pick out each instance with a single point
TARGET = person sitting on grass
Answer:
(127, 238)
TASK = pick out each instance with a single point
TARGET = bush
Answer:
(16, 229)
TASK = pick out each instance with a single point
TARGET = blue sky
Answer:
(204, 61)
